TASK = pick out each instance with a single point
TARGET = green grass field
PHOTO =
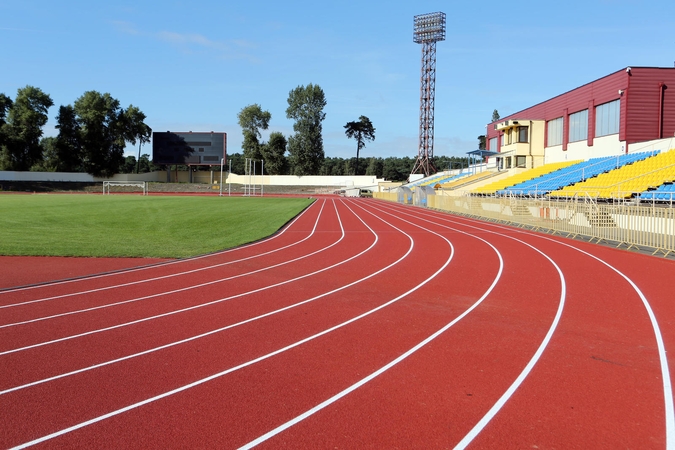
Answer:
(137, 226)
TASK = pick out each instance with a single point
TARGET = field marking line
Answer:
(208, 333)
(392, 363)
(184, 289)
(163, 277)
(502, 400)
(669, 407)
(189, 308)
(164, 264)
(261, 358)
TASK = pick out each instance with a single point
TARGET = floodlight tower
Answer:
(428, 29)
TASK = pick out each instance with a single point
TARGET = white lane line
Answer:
(147, 280)
(170, 313)
(669, 407)
(196, 286)
(161, 265)
(254, 361)
(391, 364)
(227, 327)
(540, 350)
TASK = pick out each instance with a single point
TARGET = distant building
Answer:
(188, 148)
(602, 118)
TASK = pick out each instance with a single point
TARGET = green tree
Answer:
(236, 160)
(274, 154)
(375, 167)
(49, 161)
(135, 129)
(129, 165)
(252, 119)
(67, 146)
(22, 129)
(361, 130)
(481, 142)
(305, 106)
(5, 106)
(104, 130)
(495, 116)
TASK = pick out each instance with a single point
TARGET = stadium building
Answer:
(613, 115)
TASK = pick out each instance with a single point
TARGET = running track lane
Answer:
(604, 357)
(384, 249)
(183, 427)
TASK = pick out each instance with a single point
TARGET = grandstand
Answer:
(530, 174)
(463, 181)
(445, 179)
(665, 192)
(626, 181)
(427, 180)
(575, 173)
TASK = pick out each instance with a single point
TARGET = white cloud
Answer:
(194, 42)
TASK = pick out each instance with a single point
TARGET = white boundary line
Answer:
(196, 286)
(164, 264)
(189, 308)
(504, 397)
(261, 358)
(669, 409)
(227, 327)
(163, 277)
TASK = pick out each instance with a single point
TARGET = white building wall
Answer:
(602, 146)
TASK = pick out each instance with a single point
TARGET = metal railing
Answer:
(648, 225)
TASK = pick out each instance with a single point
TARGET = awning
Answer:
(482, 153)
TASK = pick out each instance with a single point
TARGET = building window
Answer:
(555, 131)
(521, 162)
(579, 126)
(607, 118)
(522, 134)
(493, 145)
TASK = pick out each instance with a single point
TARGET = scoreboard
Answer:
(189, 148)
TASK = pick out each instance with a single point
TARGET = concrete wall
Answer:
(360, 181)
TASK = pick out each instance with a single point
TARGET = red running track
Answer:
(361, 324)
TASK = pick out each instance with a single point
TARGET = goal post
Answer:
(142, 184)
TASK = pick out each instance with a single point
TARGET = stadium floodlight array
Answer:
(427, 30)
(429, 27)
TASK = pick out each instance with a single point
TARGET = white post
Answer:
(221, 177)
(262, 175)
(229, 181)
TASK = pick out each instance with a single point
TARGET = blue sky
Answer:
(193, 65)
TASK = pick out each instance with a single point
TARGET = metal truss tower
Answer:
(428, 29)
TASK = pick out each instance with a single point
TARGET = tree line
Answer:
(391, 168)
(92, 133)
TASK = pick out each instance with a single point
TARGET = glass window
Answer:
(607, 118)
(579, 126)
(522, 134)
(520, 161)
(555, 131)
(493, 145)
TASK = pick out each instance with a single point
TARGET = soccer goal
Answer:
(113, 184)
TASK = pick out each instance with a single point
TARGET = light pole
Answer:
(427, 30)
(222, 160)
